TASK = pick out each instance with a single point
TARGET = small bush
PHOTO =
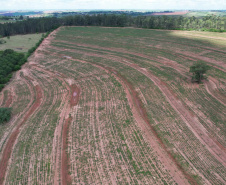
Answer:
(2, 41)
(5, 114)
(199, 69)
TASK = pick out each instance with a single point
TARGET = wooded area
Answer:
(39, 25)
(9, 61)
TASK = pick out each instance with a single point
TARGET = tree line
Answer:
(34, 25)
(207, 23)
(40, 25)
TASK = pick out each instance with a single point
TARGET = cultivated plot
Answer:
(117, 106)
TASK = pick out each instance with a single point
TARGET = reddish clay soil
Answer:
(136, 102)
(206, 59)
(212, 87)
(171, 13)
(189, 118)
(140, 114)
(74, 95)
(192, 121)
(181, 69)
(73, 99)
(9, 100)
(10, 143)
(211, 84)
(188, 55)
(1, 99)
(62, 128)
(65, 164)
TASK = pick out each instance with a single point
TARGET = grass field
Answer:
(21, 43)
(101, 105)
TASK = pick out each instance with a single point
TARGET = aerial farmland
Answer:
(101, 105)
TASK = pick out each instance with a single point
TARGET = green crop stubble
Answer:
(34, 130)
(103, 128)
(167, 74)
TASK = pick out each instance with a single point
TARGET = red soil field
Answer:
(171, 13)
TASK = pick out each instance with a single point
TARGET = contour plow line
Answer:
(59, 148)
(192, 121)
(215, 148)
(9, 100)
(135, 66)
(19, 117)
(211, 86)
(14, 135)
(180, 68)
(69, 100)
(212, 62)
(179, 175)
(169, 63)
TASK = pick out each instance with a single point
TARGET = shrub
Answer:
(199, 69)
(5, 114)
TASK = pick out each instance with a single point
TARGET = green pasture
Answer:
(20, 43)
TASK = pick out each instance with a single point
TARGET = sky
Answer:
(113, 4)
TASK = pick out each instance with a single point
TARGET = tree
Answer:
(1, 40)
(5, 114)
(199, 69)
(21, 17)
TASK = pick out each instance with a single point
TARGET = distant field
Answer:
(21, 43)
(204, 13)
(172, 13)
(98, 105)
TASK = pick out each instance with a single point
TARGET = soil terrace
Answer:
(87, 112)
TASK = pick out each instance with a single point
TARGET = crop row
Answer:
(185, 146)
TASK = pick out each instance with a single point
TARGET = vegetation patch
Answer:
(9, 61)
(5, 114)
(199, 69)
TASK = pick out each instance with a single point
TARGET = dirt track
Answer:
(66, 179)
(65, 162)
